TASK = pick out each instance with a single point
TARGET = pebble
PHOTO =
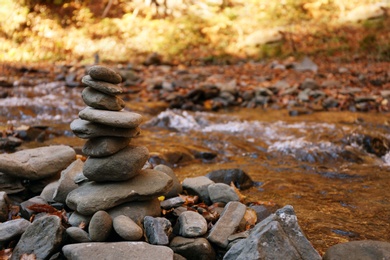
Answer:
(192, 248)
(239, 178)
(192, 224)
(100, 100)
(198, 186)
(137, 210)
(76, 219)
(66, 182)
(176, 187)
(104, 74)
(100, 226)
(221, 192)
(48, 192)
(13, 228)
(105, 145)
(78, 235)
(127, 229)
(172, 203)
(157, 230)
(104, 87)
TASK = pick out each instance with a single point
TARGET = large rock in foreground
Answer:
(366, 249)
(37, 163)
(118, 250)
(93, 196)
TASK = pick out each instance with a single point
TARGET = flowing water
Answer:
(332, 167)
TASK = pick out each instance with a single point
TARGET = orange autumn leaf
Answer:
(42, 208)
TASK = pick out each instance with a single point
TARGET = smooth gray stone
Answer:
(100, 226)
(239, 178)
(66, 182)
(172, 203)
(192, 224)
(117, 250)
(157, 230)
(100, 100)
(37, 163)
(85, 129)
(227, 224)
(104, 73)
(25, 211)
(77, 234)
(105, 87)
(137, 210)
(359, 250)
(77, 219)
(104, 145)
(10, 185)
(221, 192)
(87, 199)
(121, 166)
(48, 192)
(123, 119)
(193, 248)
(42, 238)
(176, 187)
(4, 206)
(11, 229)
(127, 229)
(198, 186)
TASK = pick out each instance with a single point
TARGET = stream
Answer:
(332, 167)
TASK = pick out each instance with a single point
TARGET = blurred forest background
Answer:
(192, 30)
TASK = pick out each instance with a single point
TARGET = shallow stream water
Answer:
(323, 164)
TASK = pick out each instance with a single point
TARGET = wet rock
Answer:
(147, 185)
(172, 203)
(192, 248)
(48, 192)
(239, 178)
(118, 250)
(86, 129)
(104, 74)
(100, 100)
(42, 238)
(198, 186)
(366, 249)
(100, 226)
(120, 166)
(25, 211)
(221, 192)
(37, 163)
(66, 182)
(127, 229)
(137, 210)
(12, 229)
(104, 87)
(10, 185)
(176, 187)
(192, 224)
(4, 206)
(77, 234)
(77, 219)
(227, 224)
(104, 145)
(157, 230)
(121, 119)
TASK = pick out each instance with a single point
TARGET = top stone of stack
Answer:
(104, 74)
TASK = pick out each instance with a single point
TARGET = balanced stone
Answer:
(124, 119)
(37, 163)
(104, 74)
(100, 100)
(87, 199)
(137, 210)
(86, 129)
(104, 145)
(105, 87)
(121, 166)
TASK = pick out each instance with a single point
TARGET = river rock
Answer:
(48, 192)
(77, 234)
(117, 250)
(137, 210)
(100, 226)
(221, 192)
(42, 238)
(127, 229)
(9, 184)
(176, 187)
(4, 206)
(100, 100)
(105, 145)
(198, 186)
(365, 249)
(192, 224)
(121, 119)
(149, 184)
(37, 163)
(25, 211)
(105, 87)
(86, 129)
(104, 74)
(157, 230)
(121, 166)
(172, 203)
(227, 224)
(66, 182)
(12, 229)
(239, 178)
(77, 219)
(192, 248)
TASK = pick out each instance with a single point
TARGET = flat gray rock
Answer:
(118, 250)
(100, 100)
(221, 192)
(66, 182)
(176, 187)
(192, 248)
(37, 163)
(127, 229)
(105, 87)
(100, 226)
(104, 73)
(121, 166)
(157, 230)
(92, 196)
(13, 228)
(48, 192)
(198, 186)
(123, 119)
(192, 224)
(359, 250)
(104, 145)
(85, 129)
(137, 210)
